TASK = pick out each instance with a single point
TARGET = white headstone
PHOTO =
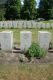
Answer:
(9, 24)
(33, 24)
(39, 25)
(14, 24)
(28, 24)
(6, 40)
(1, 24)
(5, 24)
(43, 25)
(20, 24)
(24, 24)
(25, 39)
(44, 38)
(51, 25)
(48, 25)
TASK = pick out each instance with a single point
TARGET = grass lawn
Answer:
(16, 34)
(50, 21)
(26, 72)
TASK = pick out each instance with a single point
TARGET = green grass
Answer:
(16, 34)
(48, 21)
(26, 72)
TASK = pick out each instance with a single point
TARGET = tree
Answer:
(50, 2)
(28, 9)
(51, 13)
(32, 4)
(13, 8)
(44, 8)
(25, 11)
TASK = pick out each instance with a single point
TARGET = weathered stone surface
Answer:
(28, 24)
(25, 24)
(14, 24)
(6, 40)
(44, 38)
(9, 24)
(25, 39)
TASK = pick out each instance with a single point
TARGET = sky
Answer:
(36, 1)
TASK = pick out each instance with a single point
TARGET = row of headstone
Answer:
(25, 24)
(44, 38)
(6, 40)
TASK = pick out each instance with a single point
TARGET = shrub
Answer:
(12, 27)
(2, 27)
(36, 51)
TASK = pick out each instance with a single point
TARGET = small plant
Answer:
(12, 28)
(36, 51)
(41, 27)
(2, 27)
(51, 27)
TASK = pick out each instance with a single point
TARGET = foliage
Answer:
(36, 51)
(13, 8)
(1, 17)
(28, 10)
(2, 12)
(44, 8)
(51, 13)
